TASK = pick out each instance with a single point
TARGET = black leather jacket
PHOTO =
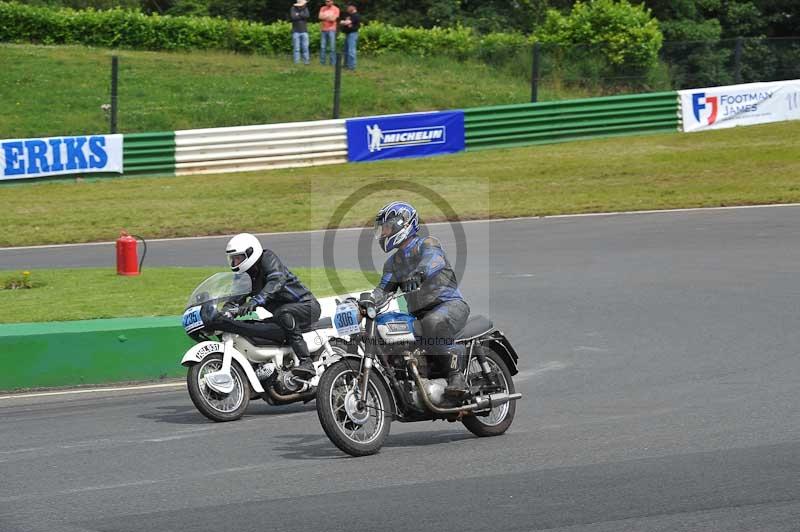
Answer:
(276, 283)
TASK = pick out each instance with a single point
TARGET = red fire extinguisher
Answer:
(127, 263)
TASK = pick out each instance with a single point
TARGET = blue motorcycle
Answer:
(388, 377)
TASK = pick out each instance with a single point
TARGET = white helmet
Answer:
(243, 252)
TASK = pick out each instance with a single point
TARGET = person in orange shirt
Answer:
(328, 14)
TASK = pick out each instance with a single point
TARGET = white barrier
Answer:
(740, 105)
(246, 148)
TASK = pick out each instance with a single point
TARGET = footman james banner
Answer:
(740, 105)
(28, 158)
(410, 135)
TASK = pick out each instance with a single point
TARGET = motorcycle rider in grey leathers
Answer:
(419, 267)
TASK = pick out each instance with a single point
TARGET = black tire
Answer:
(333, 417)
(204, 398)
(483, 426)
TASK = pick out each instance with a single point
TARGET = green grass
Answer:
(88, 293)
(58, 90)
(750, 165)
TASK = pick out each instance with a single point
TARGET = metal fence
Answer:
(554, 69)
(56, 91)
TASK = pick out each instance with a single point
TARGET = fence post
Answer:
(535, 72)
(337, 85)
(114, 83)
(737, 60)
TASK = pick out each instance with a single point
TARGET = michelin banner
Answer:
(28, 158)
(740, 105)
(410, 135)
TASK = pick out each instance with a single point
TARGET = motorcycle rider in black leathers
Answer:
(277, 289)
(420, 268)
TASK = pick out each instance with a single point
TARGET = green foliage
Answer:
(118, 28)
(627, 35)
(496, 48)
(456, 42)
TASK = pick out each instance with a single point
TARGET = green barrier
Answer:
(560, 121)
(150, 154)
(72, 353)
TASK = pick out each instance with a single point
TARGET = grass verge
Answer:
(57, 90)
(749, 165)
(89, 293)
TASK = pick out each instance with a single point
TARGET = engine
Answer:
(435, 389)
(284, 381)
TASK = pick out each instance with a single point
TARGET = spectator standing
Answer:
(299, 16)
(328, 14)
(350, 26)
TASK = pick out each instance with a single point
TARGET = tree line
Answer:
(680, 20)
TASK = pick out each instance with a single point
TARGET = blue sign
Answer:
(412, 135)
(24, 158)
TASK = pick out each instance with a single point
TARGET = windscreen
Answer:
(223, 285)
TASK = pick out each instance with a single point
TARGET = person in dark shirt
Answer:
(277, 289)
(420, 268)
(299, 16)
(350, 26)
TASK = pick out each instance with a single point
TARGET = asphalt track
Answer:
(661, 384)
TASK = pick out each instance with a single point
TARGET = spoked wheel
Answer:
(216, 406)
(358, 428)
(499, 418)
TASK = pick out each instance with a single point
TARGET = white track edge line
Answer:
(93, 390)
(493, 220)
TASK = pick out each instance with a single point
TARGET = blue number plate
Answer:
(192, 320)
(347, 319)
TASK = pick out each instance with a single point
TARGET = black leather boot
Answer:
(456, 383)
(306, 368)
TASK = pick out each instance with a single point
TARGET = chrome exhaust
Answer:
(481, 403)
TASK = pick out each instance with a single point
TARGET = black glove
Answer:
(414, 282)
(257, 300)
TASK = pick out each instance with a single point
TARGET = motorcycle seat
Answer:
(476, 326)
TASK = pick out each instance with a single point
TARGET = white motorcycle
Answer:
(226, 369)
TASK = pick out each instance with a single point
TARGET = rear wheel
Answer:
(499, 418)
(216, 406)
(357, 429)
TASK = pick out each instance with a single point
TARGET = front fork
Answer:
(370, 347)
(227, 356)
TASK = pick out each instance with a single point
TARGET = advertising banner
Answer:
(28, 158)
(411, 135)
(740, 105)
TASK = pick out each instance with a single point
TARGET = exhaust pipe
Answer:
(291, 397)
(481, 403)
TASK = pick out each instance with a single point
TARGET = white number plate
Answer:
(347, 319)
(192, 320)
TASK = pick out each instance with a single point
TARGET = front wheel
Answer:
(356, 431)
(497, 420)
(216, 406)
